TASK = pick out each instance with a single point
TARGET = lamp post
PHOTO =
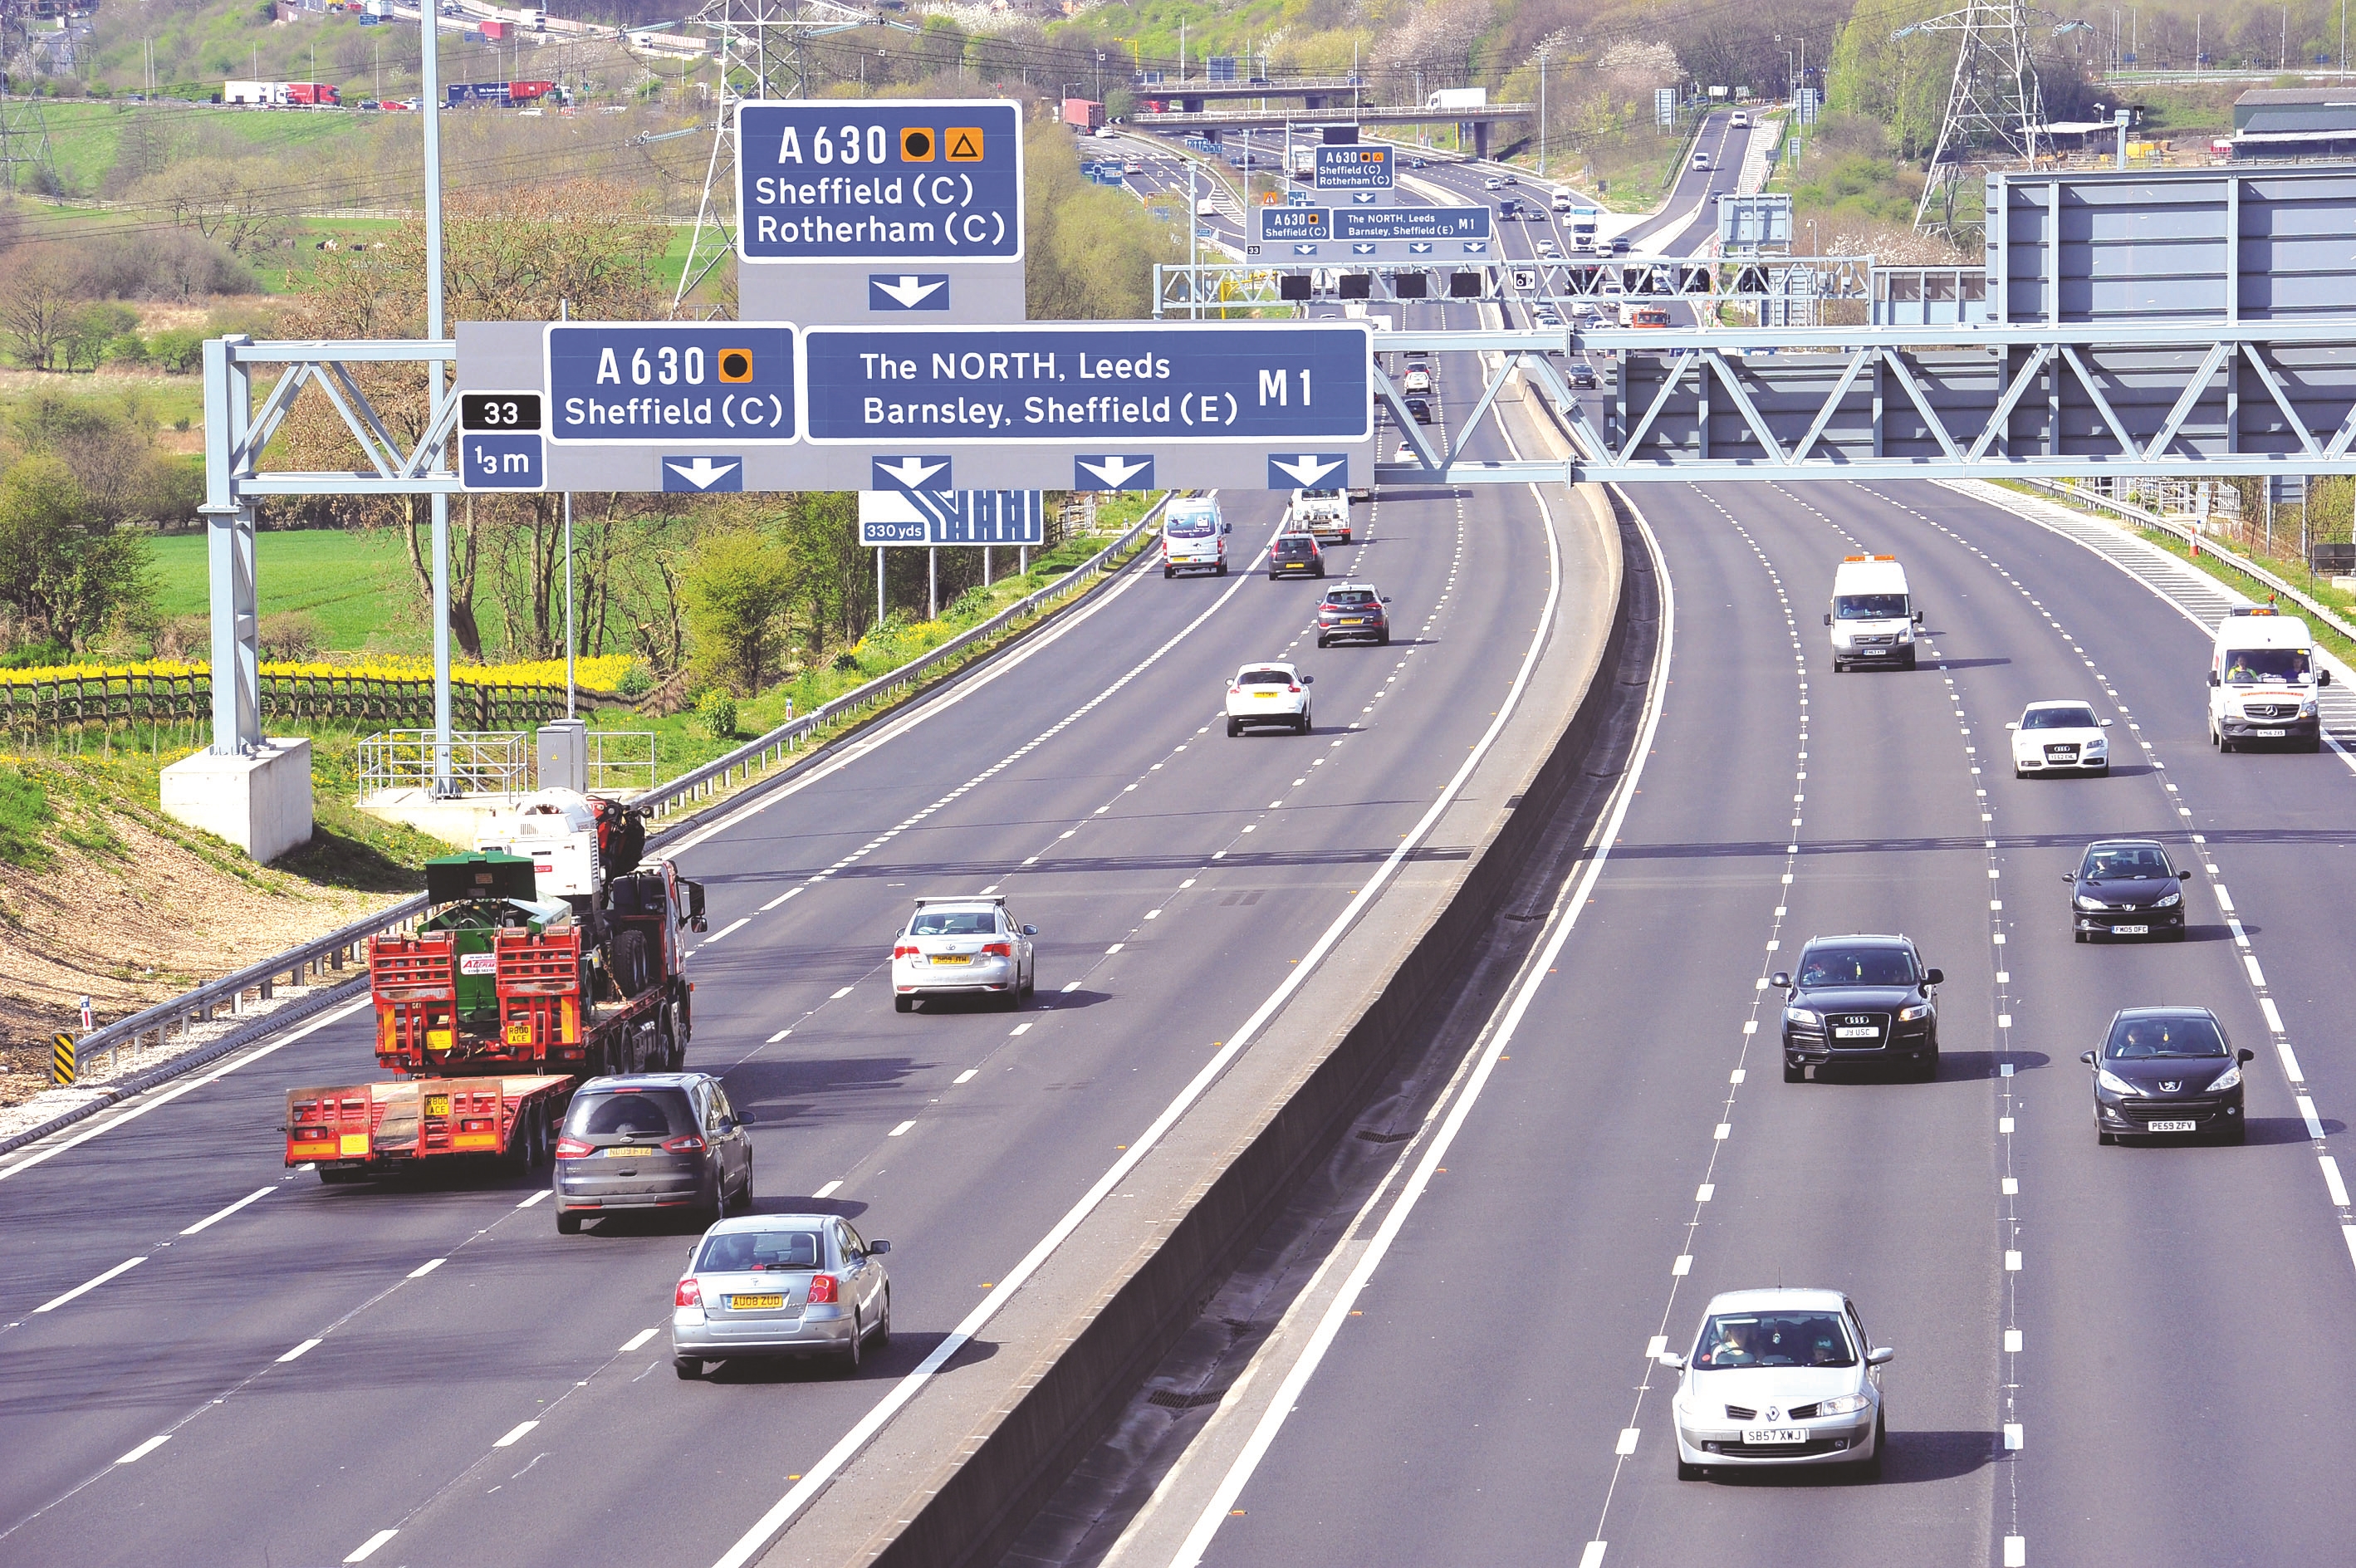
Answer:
(1543, 54)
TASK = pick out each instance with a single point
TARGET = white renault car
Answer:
(1268, 694)
(1782, 1378)
(963, 946)
(2057, 738)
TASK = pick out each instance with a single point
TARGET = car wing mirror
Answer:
(1780, 980)
(2086, 1056)
(2213, 677)
(1880, 1356)
(1934, 977)
(1917, 617)
(744, 1118)
(1829, 617)
(2104, 723)
(1673, 1361)
(877, 1249)
(2184, 876)
(1308, 680)
(1029, 931)
(2071, 876)
(2245, 1055)
(2012, 723)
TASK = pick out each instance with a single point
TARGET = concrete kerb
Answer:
(1065, 1356)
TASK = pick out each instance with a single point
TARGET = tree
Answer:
(832, 570)
(61, 566)
(1093, 248)
(40, 289)
(736, 590)
(89, 328)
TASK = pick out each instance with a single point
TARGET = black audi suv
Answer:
(1863, 1000)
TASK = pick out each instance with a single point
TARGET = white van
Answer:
(1195, 537)
(2264, 681)
(1873, 616)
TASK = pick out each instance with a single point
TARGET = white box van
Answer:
(2264, 680)
(1195, 537)
(1325, 513)
(1873, 618)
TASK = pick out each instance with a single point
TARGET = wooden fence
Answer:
(58, 701)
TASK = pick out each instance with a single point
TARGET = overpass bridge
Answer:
(1213, 123)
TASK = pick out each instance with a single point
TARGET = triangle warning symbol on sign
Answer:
(964, 143)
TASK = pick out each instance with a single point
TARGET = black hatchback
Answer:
(652, 1141)
(1296, 555)
(1861, 1000)
(2168, 1070)
(2126, 888)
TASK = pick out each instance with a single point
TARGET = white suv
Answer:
(970, 947)
(1269, 693)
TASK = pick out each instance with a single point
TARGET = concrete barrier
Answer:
(1014, 1416)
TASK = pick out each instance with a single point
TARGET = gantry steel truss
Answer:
(1747, 281)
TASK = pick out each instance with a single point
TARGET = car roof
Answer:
(1766, 1299)
(2186, 1010)
(772, 1222)
(644, 1080)
(979, 900)
(1267, 664)
(1882, 939)
(2059, 702)
(2127, 844)
(1340, 587)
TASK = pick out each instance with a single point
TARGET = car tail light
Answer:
(571, 1148)
(907, 949)
(688, 1294)
(821, 1289)
(690, 1145)
(1293, 688)
(997, 950)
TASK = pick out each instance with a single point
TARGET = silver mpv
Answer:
(768, 1286)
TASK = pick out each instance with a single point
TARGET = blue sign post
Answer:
(1040, 384)
(895, 180)
(617, 383)
(504, 461)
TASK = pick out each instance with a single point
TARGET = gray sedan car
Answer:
(1779, 1377)
(763, 1286)
(652, 1139)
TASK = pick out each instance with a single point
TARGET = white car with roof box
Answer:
(2060, 736)
(1269, 692)
(2264, 681)
(1779, 1377)
(963, 946)
(1873, 616)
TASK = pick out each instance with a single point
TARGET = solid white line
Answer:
(515, 1433)
(370, 1544)
(194, 1082)
(427, 1267)
(1593, 1556)
(218, 1215)
(821, 1476)
(535, 1197)
(122, 1268)
(829, 1190)
(144, 1449)
(299, 1350)
(735, 925)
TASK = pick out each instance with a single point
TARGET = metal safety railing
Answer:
(622, 760)
(482, 762)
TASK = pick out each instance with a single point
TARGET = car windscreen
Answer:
(2143, 1040)
(1296, 545)
(756, 1251)
(2059, 718)
(1869, 606)
(1732, 1339)
(954, 923)
(1265, 678)
(2249, 666)
(1855, 966)
(2125, 863)
(1190, 525)
(1351, 596)
(1319, 495)
(630, 1112)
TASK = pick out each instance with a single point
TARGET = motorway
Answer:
(211, 1359)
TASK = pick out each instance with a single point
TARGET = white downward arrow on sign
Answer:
(1306, 470)
(703, 473)
(1116, 471)
(910, 473)
(910, 292)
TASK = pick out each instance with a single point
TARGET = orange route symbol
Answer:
(917, 145)
(962, 143)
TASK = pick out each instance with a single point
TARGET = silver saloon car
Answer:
(970, 947)
(1779, 1377)
(765, 1286)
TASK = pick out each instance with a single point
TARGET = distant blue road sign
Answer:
(616, 383)
(880, 180)
(907, 291)
(1041, 384)
(1113, 471)
(951, 517)
(1278, 225)
(502, 462)
(703, 475)
(1356, 166)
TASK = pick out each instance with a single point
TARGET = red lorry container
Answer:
(528, 91)
(314, 92)
(570, 999)
(1084, 114)
(497, 32)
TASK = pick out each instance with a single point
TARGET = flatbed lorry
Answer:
(505, 999)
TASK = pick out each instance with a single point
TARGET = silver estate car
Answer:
(1779, 1377)
(763, 1286)
(652, 1139)
(963, 946)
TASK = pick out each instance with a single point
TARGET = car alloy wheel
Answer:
(851, 1352)
(884, 1323)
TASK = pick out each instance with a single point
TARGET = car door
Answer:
(1026, 965)
(730, 1137)
(860, 1273)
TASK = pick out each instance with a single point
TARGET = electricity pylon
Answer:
(1996, 114)
(24, 133)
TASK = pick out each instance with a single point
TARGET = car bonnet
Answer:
(1759, 1386)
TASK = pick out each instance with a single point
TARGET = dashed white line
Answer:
(635, 1340)
(145, 1449)
(368, 1548)
(515, 1434)
(300, 1350)
(123, 1267)
(218, 1215)
(427, 1267)
(901, 1130)
(840, 994)
(736, 925)
(829, 1190)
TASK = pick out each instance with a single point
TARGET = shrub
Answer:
(716, 714)
(290, 636)
(636, 682)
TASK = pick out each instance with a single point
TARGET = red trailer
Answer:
(314, 92)
(528, 91)
(497, 32)
(1084, 114)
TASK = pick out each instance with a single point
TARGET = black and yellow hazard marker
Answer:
(61, 1061)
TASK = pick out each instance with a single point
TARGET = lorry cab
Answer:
(1873, 618)
(1195, 537)
(2264, 681)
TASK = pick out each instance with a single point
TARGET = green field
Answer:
(356, 585)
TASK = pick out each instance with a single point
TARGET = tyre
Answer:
(902, 1004)
(1346, 536)
(689, 1368)
(2314, 743)
(1839, 667)
(2226, 743)
(1012, 1001)
(2102, 772)
(1320, 572)
(1871, 1469)
(1928, 1071)
(1302, 726)
(339, 1176)
(851, 1352)
(1272, 576)
(2176, 935)
(567, 1224)
(1223, 568)
(629, 961)
(1168, 572)
(1794, 1072)
(1031, 980)
(1689, 1472)
(884, 1323)
(2239, 1134)
(1234, 729)
(2077, 935)
(1384, 641)
(1324, 641)
(1910, 660)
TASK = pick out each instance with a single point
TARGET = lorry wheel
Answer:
(1346, 536)
(630, 961)
(567, 1224)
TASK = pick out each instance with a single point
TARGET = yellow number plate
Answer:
(756, 1303)
(438, 1105)
(951, 958)
(352, 1146)
(621, 1151)
(476, 1141)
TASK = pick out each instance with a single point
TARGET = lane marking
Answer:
(220, 1214)
(635, 1340)
(515, 1434)
(123, 1267)
(535, 1197)
(2333, 1182)
(738, 925)
(829, 1190)
(370, 1544)
(964, 1076)
(145, 1449)
(427, 1267)
(840, 994)
(901, 1130)
(300, 1350)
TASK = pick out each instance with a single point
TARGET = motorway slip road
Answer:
(2091, 1340)
(214, 1360)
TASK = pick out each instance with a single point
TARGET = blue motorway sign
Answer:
(504, 461)
(623, 382)
(1354, 167)
(1041, 384)
(951, 517)
(1279, 225)
(880, 180)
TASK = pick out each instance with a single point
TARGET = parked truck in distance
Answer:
(497, 32)
(1459, 97)
(552, 958)
(1085, 116)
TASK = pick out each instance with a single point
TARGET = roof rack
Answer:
(965, 899)
(1849, 558)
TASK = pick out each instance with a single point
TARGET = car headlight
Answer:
(2306, 709)
(1842, 1404)
(2168, 902)
(1912, 1011)
(2115, 1083)
(2097, 744)
(2086, 903)
(1804, 1017)
(2230, 1078)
